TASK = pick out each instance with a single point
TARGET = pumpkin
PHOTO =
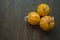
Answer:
(43, 9)
(33, 18)
(47, 23)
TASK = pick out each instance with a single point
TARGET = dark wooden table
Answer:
(13, 26)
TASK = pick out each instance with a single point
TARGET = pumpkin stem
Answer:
(26, 18)
(44, 8)
(49, 22)
(53, 18)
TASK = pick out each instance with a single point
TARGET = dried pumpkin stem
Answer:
(51, 20)
(26, 18)
(44, 8)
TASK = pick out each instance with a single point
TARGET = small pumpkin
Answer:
(33, 18)
(43, 9)
(47, 23)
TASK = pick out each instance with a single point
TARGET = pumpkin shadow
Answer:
(33, 26)
(47, 33)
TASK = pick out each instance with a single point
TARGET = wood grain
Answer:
(13, 26)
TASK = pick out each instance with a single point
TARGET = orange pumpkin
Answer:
(47, 23)
(43, 9)
(33, 18)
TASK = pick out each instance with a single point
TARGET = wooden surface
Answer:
(13, 26)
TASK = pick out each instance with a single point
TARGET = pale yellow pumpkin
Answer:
(47, 23)
(43, 9)
(33, 18)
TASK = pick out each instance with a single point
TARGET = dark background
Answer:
(13, 26)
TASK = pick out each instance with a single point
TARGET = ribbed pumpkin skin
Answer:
(43, 9)
(46, 23)
(33, 18)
